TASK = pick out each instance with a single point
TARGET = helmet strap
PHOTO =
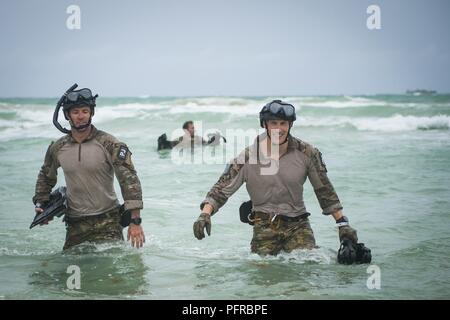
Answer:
(83, 125)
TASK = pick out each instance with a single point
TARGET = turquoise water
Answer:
(388, 157)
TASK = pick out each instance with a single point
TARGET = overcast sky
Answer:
(188, 48)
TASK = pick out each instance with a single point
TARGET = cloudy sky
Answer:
(209, 47)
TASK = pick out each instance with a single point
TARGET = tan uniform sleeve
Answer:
(229, 182)
(130, 185)
(325, 193)
(47, 176)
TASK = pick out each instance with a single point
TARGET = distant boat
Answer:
(421, 92)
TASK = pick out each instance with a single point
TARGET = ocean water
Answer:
(388, 157)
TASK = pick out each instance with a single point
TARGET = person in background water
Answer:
(189, 140)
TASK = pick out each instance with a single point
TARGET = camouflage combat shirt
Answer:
(89, 169)
(280, 192)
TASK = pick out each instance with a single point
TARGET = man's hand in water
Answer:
(345, 231)
(136, 235)
(203, 222)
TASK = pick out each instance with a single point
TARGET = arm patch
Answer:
(322, 162)
(227, 169)
(122, 153)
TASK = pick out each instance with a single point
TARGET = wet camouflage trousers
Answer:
(95, 228)
(271, 237)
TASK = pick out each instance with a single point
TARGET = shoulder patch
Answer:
(322, 163)
(227, 168)
(122, 153)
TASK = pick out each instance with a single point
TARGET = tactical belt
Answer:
(109, 214)
(270, 216)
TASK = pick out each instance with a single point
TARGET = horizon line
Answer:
(145, 96)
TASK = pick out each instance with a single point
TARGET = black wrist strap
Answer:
(342, 221)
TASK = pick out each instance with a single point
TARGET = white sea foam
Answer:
(233, 110)
(33, 120)
(357, 102)
(213, 101)
(404, 123)
(8, 123)
(23, 130)
(387, 124)
(300, 256)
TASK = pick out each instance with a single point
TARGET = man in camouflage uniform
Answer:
(274, 169)
(89, 159)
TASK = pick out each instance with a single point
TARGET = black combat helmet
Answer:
(277, 110)
(82, 97)
(72, 98)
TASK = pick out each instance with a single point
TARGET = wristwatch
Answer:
(136, 221)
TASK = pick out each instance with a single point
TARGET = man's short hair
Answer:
(187, 123)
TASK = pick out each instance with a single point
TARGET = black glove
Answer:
(203, 221)
(348, 232)
(345, 231)
(350, 251)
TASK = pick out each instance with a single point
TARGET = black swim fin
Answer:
(56, 206)
(350, 252)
